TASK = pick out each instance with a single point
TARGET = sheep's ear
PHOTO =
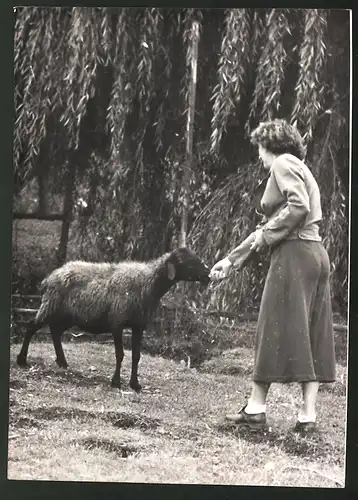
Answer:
(171, 270)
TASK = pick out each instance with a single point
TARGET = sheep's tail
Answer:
(49, 303)
(54, 279)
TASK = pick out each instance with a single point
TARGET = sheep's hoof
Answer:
(115, 383)
(62, 364)
(21, 361)
(135, 385)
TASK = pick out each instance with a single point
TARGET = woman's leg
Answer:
(254, 413)
(309, 393)
(257, 401)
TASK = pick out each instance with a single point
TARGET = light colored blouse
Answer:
(291, 204)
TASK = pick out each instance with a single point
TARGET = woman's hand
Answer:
(259, 242)
(221, 269)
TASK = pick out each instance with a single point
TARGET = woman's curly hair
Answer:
(279, 137)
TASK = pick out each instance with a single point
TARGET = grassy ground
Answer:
(70, 425)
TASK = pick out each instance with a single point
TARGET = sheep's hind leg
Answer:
(32, 328)
(56, 334)
(137, 334)
(118, 345)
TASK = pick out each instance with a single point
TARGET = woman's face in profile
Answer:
(266, 157)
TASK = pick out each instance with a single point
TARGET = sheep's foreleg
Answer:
(136, 340)
(56, 334)
(118, 344)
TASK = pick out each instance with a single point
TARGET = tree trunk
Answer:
(188, 168)
(67, 211)
(43, 175)
(43, 183)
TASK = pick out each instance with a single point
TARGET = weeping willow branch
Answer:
(270, 69)
(223, 223)
(310, 88)
(22, 68)
(24, 18)
(104, 37)
(27, 119)
(164, 82)
(122, 90)
(57, 71)
(147, 53)
(81, 70)
(257, 32)
(39, 55)
(56, 80)
(234, 53)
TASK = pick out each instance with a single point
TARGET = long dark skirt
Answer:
(294, 340)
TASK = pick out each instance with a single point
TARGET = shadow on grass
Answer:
(214, 368)
(60, 412)
(121, 420)
(127, 420)
(17, 384)
(77, 378)
(66, 376)
(336, 388)
(121, 450)
(291, 443)
(23, 422)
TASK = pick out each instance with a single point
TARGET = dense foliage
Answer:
(105, 91)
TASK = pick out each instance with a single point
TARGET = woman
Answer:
(294, 339)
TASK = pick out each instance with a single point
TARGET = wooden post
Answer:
(67, 212)
(43, 174)
(188, 168)
(43, 184)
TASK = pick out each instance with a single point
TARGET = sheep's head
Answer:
(185, 265)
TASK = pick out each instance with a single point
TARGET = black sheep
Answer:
(104, 297)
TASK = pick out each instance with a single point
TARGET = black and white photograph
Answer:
(180, 245)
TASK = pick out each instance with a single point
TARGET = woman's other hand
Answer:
(221, 269)
(259, 242)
